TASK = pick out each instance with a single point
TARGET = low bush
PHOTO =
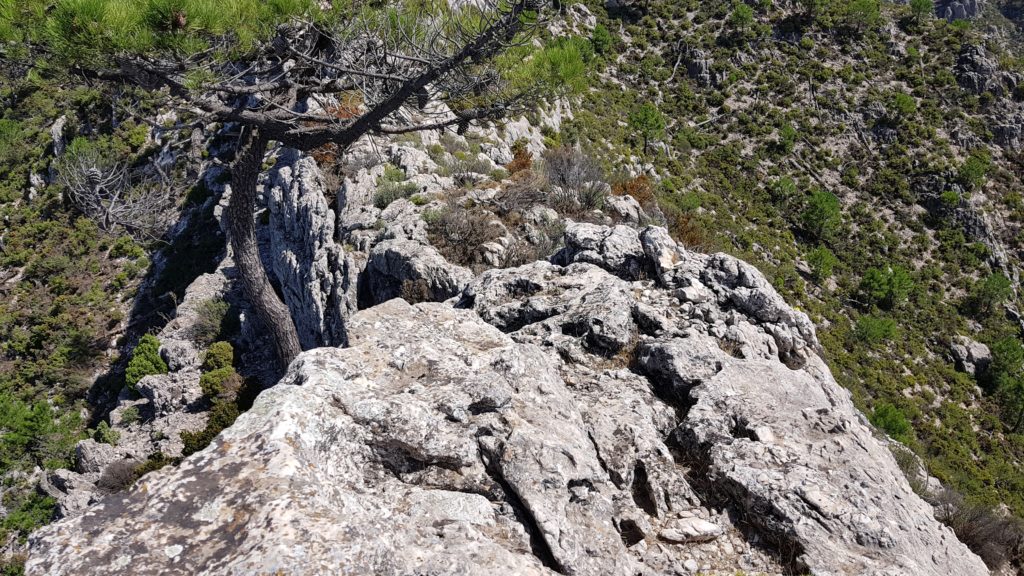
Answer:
(822, 216)
(218, 355)
(145, 361)
(416, 291)
(602, 40)
(118, 476)
(459, 232)
(156, 461)
(392, 191)
(524, 191)
(640, 188)
(875, 329)
(822, 262)
(31, 512)
(220, 383)
(987, 294)
(996, 538)
(521, 159)
(223, 414)
(130, 415)
(569, 168)
(211, 317)
(125, 247)
(105, 434)
(975, 169)
(892, 420)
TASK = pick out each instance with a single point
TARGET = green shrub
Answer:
(822, 262)
(892, 420)
(1007, 359)
(1006, 378)
(156, 461)
(105, 434)
(975, 169)
(782, 189)
(392, 173)
(218, 355)
(145, 361)
(388, 192)
(13, 565)
(886, 287)
(822, 215)
(130, 415)
(211, 317)
(222, 382)
(125, 247)
(30, 513)
(874, 329)
(222, 415)
(988, 293)
(904, 105)
(787, 138)
(602, 39)
(950, 198)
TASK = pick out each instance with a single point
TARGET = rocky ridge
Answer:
(630, 408)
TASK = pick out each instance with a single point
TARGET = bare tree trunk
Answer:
(270, 310)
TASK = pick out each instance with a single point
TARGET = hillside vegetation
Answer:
(843, 149)
(866, 156)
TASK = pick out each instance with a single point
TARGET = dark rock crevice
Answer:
(539, 546)
(761, 524)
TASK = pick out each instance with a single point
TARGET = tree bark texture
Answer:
(269, 308)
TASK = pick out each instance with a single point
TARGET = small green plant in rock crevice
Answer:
(226, 391)
(145, 361)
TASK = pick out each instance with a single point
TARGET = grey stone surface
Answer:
(310, 267)
(375, 465)
(616, 249)
(578, 419)
(958, 9)
(970, 356)
(398, 264)
(626, 208)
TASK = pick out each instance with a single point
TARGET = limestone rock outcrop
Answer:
(561, 418)
(316, 277)
(970, 356)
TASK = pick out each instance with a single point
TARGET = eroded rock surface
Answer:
(576, 419)
(315, 275)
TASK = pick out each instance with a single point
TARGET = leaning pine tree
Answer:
(304, 73)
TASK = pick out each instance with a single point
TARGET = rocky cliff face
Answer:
(634, 408)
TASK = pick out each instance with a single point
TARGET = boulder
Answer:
(73, 493)
(400, 264)
(91, 457)
(970, 356)
(692, 529)
(394, 456)
(977, 71)
(616, 249)
(958, 9)
(410, 160)
(625, 208)
(172, 392)
(790, 445)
